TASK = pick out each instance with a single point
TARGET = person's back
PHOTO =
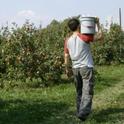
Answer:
(79, 51)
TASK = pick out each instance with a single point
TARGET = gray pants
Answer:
(84, 88)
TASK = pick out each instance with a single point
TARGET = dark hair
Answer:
(73, 24)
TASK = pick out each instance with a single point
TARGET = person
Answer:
(77, 48)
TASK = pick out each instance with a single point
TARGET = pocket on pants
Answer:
(85, 72)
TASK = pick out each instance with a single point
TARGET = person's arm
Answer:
(99, 34)
(66, 59)
(68, 69)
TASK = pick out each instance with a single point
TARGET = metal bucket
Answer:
(88, 25)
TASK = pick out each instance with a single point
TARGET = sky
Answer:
(44, 11)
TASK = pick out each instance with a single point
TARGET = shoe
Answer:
(81, 118)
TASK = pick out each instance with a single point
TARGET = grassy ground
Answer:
(56, 105)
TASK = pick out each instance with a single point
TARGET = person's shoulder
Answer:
(69, 38)
(86, 37)
(81, 36)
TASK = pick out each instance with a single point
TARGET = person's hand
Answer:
(97, 20)
(68, 72)
(97, 24)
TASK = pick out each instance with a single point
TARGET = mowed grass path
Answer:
(56, 105)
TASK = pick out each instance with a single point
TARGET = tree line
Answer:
(31, 56)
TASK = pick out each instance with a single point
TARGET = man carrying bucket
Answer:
(77, 47)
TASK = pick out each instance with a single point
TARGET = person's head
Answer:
(74, 24)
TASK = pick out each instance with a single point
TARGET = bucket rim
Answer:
(88, 17)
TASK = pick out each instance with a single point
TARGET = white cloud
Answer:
(26, 14)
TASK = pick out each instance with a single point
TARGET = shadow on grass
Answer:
(110, 114)
(33, 112)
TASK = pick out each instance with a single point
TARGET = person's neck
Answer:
(75, 32)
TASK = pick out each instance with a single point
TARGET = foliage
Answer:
(110, 49)
(31, 54)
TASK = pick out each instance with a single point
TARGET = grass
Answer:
(56, 105)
